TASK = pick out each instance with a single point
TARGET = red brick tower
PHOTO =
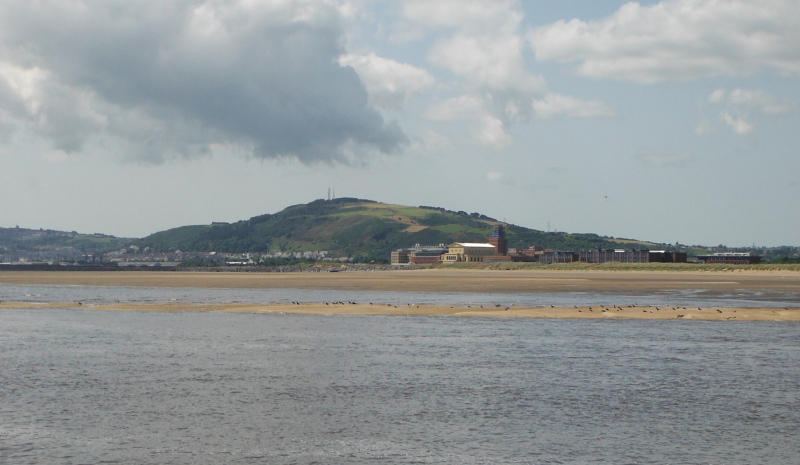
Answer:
(499, 241)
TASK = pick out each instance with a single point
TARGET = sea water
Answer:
(88, 387)
(157, 295)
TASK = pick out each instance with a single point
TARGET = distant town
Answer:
(496, 250)
(134, 256)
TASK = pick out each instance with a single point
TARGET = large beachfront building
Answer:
(468, 252)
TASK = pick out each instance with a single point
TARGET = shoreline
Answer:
(628, 312)
(434, 280)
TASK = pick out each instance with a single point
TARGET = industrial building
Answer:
(537, 254)
(419, 254)
(614, 255)
(662, 256)
(548, 257)
(631, 256)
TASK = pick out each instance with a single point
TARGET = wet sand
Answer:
(434, 280)
(583, 312)
(437, 280)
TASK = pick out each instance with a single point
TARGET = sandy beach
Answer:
(437, 280)
(433, 280)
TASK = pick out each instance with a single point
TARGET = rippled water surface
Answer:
(104, 295)
(80, 386)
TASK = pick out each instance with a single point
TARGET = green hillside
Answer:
(47, 244)
(360, 228)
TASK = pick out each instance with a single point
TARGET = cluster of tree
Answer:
(460, 213)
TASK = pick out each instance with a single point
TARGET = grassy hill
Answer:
(361, 228)
(47, 244)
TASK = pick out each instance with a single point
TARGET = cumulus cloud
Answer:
(492, 133)
(463, 107)
(752, 99)
(390, 83)
(480, 45)
(737, 123)
(479, 41)
(741, 104)
(431, 143)
(159, 79)
(557, 105)
(679, 40)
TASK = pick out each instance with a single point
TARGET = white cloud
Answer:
(489, 131)
(490, 60)
(752, 99)
(464, 107)
(562, 105)
(718, 96)
(737, 123)
(431, 143)
(390, 84)
(493, 133)
(494, 176)
(480, 43)
(679, 40)
(348, 9)
(157, 79)
(22, 83)
(741, 104)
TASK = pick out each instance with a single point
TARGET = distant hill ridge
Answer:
(48, 244)
(364, 229)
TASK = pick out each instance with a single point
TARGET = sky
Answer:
(671, 121)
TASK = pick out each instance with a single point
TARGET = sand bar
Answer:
(582, 312)
(453, 280)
